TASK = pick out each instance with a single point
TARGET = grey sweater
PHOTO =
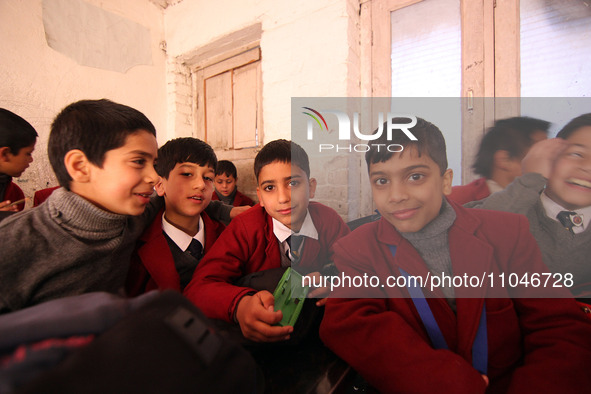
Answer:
(562, 251)
(66, 246)
(432, 244)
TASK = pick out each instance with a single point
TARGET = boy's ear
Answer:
(4, 154)
(259, 197)
(313, 185)
(77, 165)
(448, 177)
(160, 187)
(501, 158)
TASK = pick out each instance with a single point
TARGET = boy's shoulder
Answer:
(321, 211)
(473, 191)
(255, 220)
(476, 219)
(327, 221)
(242, 199)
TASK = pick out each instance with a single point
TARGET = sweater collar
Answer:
(78, 215)
(229, 199)
(437, 226)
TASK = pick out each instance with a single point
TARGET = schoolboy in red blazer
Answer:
(226, 190)
(257, 240)
(17, 142)
(530, 344)
(170, 249)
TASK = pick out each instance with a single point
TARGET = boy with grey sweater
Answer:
(555, 195)
(81, 239)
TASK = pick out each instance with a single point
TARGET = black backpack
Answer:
(166, 346)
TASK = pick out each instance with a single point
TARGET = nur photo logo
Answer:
(347, 130)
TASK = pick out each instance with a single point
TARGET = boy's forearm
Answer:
(219, 211)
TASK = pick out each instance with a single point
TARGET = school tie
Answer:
(569, 220)
(195, 249)
(295, 243)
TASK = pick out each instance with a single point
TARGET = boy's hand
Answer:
(256, 317)
(4, 206)
(318, 292)
(542, 155)
(485, 379)
(238, 210)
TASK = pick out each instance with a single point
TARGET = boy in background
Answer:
(499, 156)
(226, 190)
(470, 344)
(80, 240)
(170, 249)
(260, 240)
(555, 195)
(17, 143)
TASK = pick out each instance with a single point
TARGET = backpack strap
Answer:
(480, 345)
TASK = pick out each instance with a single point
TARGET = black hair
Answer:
(283, 151)
(429, 141)
(94, 127)
(227, 168)
(184, 150)
(512, 135)
(15, 132)
(574, 125)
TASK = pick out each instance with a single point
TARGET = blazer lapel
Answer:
(157, 257)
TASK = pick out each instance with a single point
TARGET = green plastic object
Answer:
(290, 296)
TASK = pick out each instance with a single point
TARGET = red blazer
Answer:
(14, 193)
(41, 195)
(534, 345)
(248, 245)
(152, 264)
(473, 191)
(239, 199)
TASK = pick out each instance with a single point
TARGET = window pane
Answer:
(426, 62)
(426, 50)
(555, 42)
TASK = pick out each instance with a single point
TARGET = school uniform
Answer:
(14, 193)
(562, 251)
(153, 262)
(249, 245)
(239, 199)
(534, 345)
(473, 191)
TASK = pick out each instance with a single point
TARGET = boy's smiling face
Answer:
(284, 190)
(187, 192)
(127, 177)
(225, 184)
(569, 183)
(408, 190)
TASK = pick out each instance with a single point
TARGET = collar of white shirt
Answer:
(181, 238)
(282, 232)
(493, 186)
(552, 209)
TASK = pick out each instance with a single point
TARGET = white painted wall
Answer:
(36, 82)
(305, 46)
